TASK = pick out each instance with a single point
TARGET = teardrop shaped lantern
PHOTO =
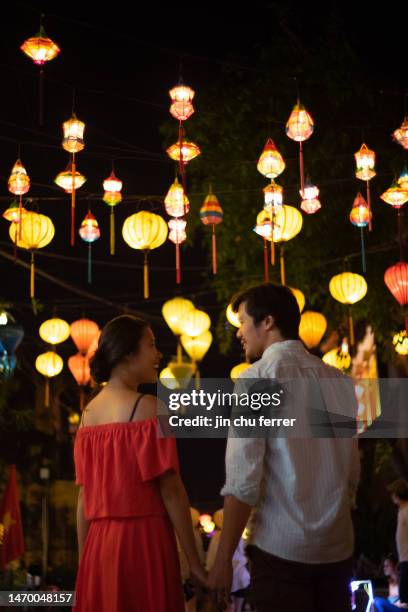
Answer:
(54, 331)
(212, 214)
(49, 364)
(36, 231)
(83, 332)
(360, 216)
(401, 134)
(144, 231)
(299, 128)
(176, 201)
(80, 370)
(177, 235)
(348, 288)
(270, 163)
(365, 171)
(112, 197)
(196, 348)
(273, 196)
(89, 232)
(312, 328)
(195, 323)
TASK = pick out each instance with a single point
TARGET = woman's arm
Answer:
(177, 505)
(82, 523)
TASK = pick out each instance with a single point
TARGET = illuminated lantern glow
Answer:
(300, 298)
(80, 370)
(145, 231)
(310, 206)
(360, 216)
(168, 379)
(40, 48)
(403, 179)
(310, 198)
(312, 328)
(12, 213)
(238, 370)
(181, 98)
(396, 279)
(401, 134)
(174, 311)
(205, 519)
(112, 184)
(34, 232)
(197, 347)
(339, 357)
(232, 317)
(365, 163)
(54, 331)
(400, 342)
(177, 235)
(348, 288)
(310, 192)
(209, 527)
(89, 232)
(299, 128)
(176, 202)
(94, 345)
(182, 370)
(112, 197)
(83, 332)
(49, 365)
(19, 181)
(395, 196)
(270, 163)
(73, 139)
(195, 323)
(68, 180)
(212, 214)
(273, 196)
(189, 151)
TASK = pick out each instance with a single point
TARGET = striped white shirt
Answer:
(301, 488)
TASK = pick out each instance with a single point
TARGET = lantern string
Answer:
(363, 257)
(145, 276)
(178, 271)
(266, 261)
(112, 230)
(370, 218)
(47, 393)
(302, 169)
(282, 266)
(400, 234)
(73, 170)
(32, 276)
(90, 263)
(214, 250)
(41, 97)
(351, 327)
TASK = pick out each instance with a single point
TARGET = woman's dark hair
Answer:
(275, 300)
(400, 488)
(119, 338)
(392, 558)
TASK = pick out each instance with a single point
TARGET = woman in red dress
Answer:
(131, 495)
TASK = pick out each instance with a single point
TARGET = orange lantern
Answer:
(19, 184)
(70, 180)
(365, 171)
(299, 128)
(270, 163)
(83, 333)
(12, 213)
(80, 370)
(360, 216)
(395, 196)
(312, 328)
(177, 235)
(181, 102)
(176, 201)
(112, 187)
(211, 214)
(401, 134)
(189, 150)
(310, 199)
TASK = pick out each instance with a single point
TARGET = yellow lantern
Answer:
(401, 134)
(299, 128)
(182, 371)
(348, 288)
(175, 311)
(19, 184)
(238, 370)
(300, 298)
(189, 151)
(395, 196)
(36, 232)
(339, 357)
(145, 231)
(73, 130)
(168, 379)
(232, 317)
(273, 196)
(176, 202)
(209, 527)
(400, 342)
(49, 365)
(270, 163)
(312, 328)
(54, 331)
(195, 323)
(365, 163)
(196, 348)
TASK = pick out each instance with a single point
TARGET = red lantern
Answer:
(211, 214)
(177, 234)
(396, 279)
(80, 370)
(83, 332)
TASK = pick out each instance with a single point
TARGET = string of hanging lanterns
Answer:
(299, 128)
(360, 216)
(112, 197)
(89, 232)
(212, 214)
(365, 171)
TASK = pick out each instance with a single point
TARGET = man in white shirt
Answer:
(300, 489)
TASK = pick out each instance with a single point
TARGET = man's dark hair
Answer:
(399, 488)
(275, 300)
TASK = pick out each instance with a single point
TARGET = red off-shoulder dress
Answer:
(129, 561)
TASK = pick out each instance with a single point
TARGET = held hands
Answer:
(220, 581)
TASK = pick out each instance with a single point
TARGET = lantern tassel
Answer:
(272, 242)
(181, 162)
(370, 222)
(112, 231)
(179, 351)
(145, 277)
(197, 378)
(32, 277)
(20, 217)
(351, 328)
(282, 266)
(178, 271)
(214, 251)
(41, 97)
(47, 393)
(400, 236)
(363, 255)
(73, 167)
(301, 166)
(266, 261)
(89, 263)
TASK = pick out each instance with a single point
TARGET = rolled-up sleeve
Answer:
(244, 468)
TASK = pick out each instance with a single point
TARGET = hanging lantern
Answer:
(93, 346)
(168, 379)
(182, 371)
(49, 365)
(112, 197)
(19, 184)
(401, 134)
(181, 98)
(348, 288)
(73, 130)
(273, 196)
(83, 333)
(177, 235)
(89, 232)
(312, 328)
(189, 151)
(36, 232)
(339, 357)
(195, 323)
(12, 213)
(270, 163)
(144, 231)
(365, 171)
(403, 179)
(360, 216)
(400, 342)
(238, 370)
(299, 128)
(196, 348)
(299, 296)
(54, 331)
(40, 49)
(232, 317)
(174, 311)
(310, 198)
(70, 180)
(212, 214)
(176, 202)
(396, 279)
(80, 370)
(395, 196)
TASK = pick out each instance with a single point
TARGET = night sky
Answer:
(118, 63)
